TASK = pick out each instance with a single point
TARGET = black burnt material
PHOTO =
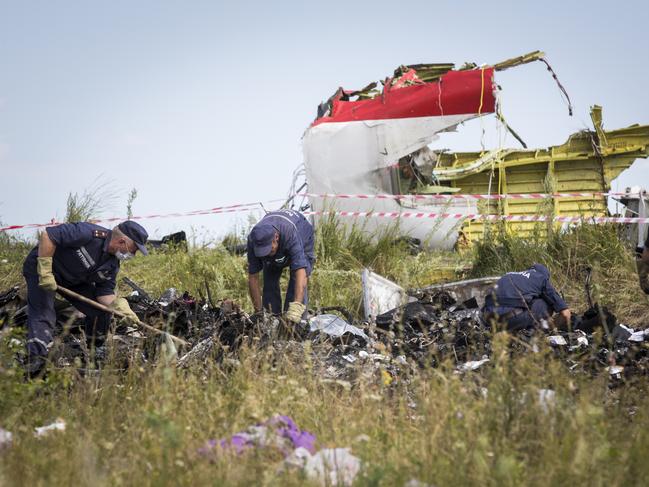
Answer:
(426, 332)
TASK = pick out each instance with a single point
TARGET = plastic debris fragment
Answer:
(615, 371)
(547, 399)
(557, 340)
(334, 326)
(6, 439)
(416, 483)
(169, 296)
(472, 365)
(581, 342)
(58, 425)
(637, 336)
(330, 466)
(621, 332)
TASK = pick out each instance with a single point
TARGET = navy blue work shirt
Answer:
(81, 257)
(519, 289)
(295, 247)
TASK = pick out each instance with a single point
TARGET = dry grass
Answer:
(144, 427)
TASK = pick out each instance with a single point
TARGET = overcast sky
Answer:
(197, 104)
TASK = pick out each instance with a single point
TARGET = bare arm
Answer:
(254, 290)
(46, 247)
(106, 300)
(300, 284)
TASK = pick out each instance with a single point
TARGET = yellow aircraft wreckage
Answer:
(367, 155)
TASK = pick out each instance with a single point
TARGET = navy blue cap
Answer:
(542, 269)
(135, 232)
(262, 239)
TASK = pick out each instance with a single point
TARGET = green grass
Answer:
(567, 255)
(143, 427)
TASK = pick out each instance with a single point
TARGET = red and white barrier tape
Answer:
(459, 196)
(381, 214)
(480, 217)
(211, 211)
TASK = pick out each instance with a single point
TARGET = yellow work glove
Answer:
(46, 279)
(295, 312)
(643, 274)
(121, 306)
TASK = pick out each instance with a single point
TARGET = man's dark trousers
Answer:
(41, 316)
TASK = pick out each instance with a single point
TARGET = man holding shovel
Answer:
(84, 258)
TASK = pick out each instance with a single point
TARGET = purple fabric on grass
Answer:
(279, 432)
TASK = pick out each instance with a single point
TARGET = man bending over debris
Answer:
(84, 258)
(281, 239)
(525, 299)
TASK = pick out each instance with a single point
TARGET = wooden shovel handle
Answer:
(68, 293)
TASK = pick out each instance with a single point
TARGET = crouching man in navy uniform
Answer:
(525, 299)
(84, 258)
(281, 239)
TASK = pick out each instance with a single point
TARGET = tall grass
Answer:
(144, 427)
(92, 202)
(12, 252)
(568, 254)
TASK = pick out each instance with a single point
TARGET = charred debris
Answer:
(440, 324)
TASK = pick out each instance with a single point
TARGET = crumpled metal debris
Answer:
(434, 328)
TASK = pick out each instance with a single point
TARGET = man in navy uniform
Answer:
(525, 299)
(281, 239)
(84, 258)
